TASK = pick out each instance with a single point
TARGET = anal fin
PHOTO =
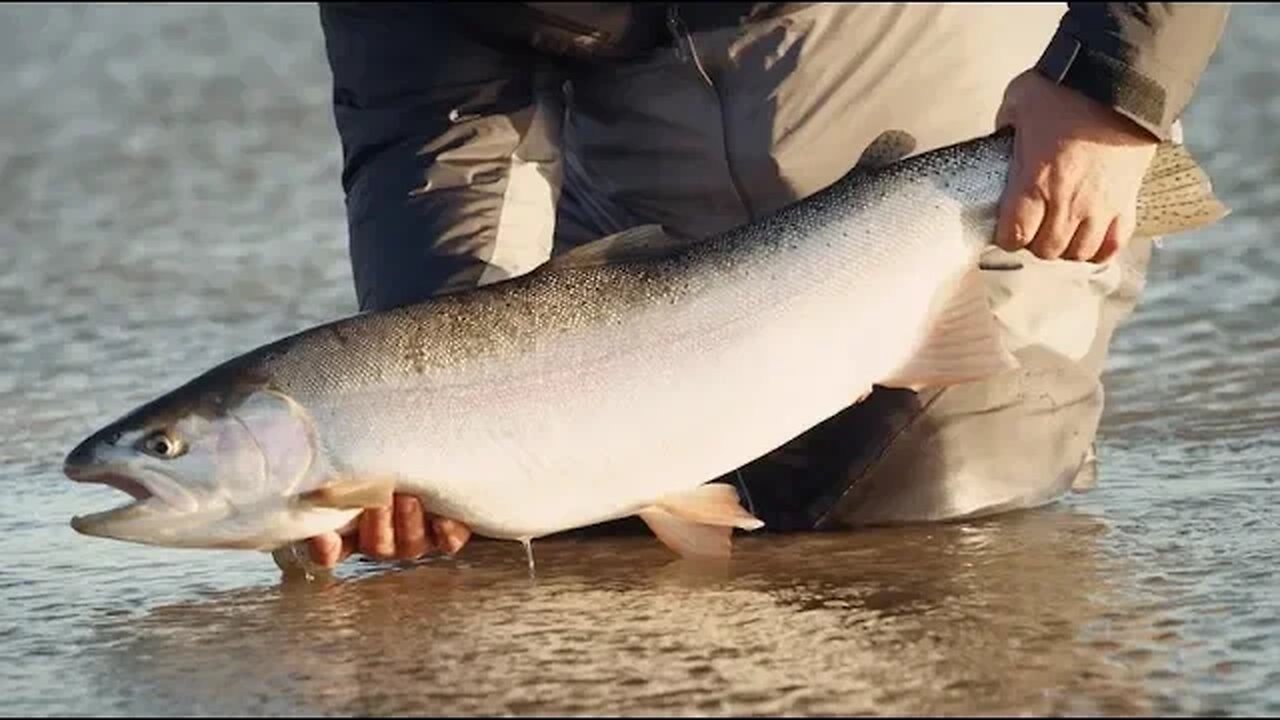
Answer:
(963, 342)
(699, 522)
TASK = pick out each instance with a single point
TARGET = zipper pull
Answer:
(685, 49)
(678, 31)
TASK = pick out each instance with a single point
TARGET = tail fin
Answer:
(1176, 195)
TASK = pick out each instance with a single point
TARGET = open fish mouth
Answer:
(92, 523)
(106, 477)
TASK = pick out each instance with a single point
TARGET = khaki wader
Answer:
(726, 125)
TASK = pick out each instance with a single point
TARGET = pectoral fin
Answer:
(963, 344)
(700, 522)
(351, 494)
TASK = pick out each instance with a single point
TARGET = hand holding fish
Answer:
(1077, 168)
(403, 531)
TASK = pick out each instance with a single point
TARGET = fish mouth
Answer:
(101, 523)
(102, 476)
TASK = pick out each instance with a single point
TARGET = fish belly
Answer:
(598, 425)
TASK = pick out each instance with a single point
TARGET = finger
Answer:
(325, 549)
(329, 549)
(377, 537)
(451, 534)
(348, 546)
(1055, 231)
(1019, 221)
(1087, 239)
(1004, 116)
(411, 528)
(1118, 233)
(1006, 113)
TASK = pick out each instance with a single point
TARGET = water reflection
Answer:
(1022, 614)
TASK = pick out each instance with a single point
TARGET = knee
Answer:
(1012, 442)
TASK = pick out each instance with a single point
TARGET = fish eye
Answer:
(163, 445)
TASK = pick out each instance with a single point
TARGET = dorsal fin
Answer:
(643, 242)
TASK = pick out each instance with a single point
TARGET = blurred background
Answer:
(169, 197)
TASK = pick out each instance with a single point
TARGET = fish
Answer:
(618, 379)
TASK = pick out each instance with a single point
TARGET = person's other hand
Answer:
(403, 531)
(1077, 166)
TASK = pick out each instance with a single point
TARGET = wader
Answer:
(511, 157)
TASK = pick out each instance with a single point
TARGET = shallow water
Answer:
(169, 197)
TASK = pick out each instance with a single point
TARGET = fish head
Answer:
(208, 468)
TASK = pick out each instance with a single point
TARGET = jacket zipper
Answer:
(686, 50)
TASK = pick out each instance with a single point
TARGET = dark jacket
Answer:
(425, 188)
(1141, 59)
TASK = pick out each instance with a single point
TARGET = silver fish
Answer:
(616, 380)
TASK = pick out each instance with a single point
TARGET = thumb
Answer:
(1005, 115)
